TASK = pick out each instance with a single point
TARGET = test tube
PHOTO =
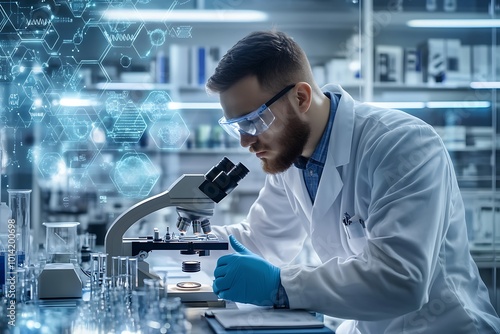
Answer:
(152, 286)
(97, 268)
(19, 204)
(103, 257)
(133, 273)
(115, 272)
(122, 271)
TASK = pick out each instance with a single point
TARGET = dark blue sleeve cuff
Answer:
(281, 298)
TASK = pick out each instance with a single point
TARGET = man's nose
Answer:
(247, 140)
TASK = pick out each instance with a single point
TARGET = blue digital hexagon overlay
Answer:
(50, 165)
(134, 175)
(77, 125)
(122, 33)
(156, 105)
(129, 126)
(81, 77)
(170, 134)
(40, 108)
(100, 170)
(92, 40)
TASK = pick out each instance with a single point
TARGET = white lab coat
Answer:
(412, 271)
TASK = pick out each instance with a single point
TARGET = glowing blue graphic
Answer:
(156, 105)
(77, 125)
(79, 79)
(51, 165)
(78, 37)
(14, 100)
(125, 61)
(63, 69)
(100, 169)
(39, 108)
(130, 126)
(122, 33)
(78, 6)
(52, 53)
(35, 84)
(51, 37)
(170, 134)
(182, 32)
(135, 175)
(157, 37)
(5, 69)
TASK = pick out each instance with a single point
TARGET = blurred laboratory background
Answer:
(103, 101)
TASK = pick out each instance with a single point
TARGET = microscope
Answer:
(194, 197)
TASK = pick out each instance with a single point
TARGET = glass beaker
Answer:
(19, 204)
(61, 242)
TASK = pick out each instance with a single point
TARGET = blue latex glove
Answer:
(245, 277)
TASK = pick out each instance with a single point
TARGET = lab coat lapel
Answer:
(339, 150)
(293, 177)
(325, 212)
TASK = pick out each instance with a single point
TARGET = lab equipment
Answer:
(59, 278)
(19, 204)
(245, 277)
(194, 196)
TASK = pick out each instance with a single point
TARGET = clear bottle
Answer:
(19, 203)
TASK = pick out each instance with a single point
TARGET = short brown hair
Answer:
(272, 56)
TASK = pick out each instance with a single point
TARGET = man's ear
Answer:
(304, 96)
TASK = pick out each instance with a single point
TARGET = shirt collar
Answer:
(321, 150)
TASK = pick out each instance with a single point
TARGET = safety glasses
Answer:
(255, 122)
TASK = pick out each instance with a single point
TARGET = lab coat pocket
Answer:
(356, 233)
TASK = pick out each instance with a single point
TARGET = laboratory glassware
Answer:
(61, 242)
(19, 204)
(62, 265)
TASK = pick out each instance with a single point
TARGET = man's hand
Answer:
(245, 277)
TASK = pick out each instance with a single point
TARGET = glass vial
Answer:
(19, 204)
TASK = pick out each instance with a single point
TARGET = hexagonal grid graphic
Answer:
(129, 126)
(156, 105)
(135, 175)
(51, 165)
(77, 125)
(170, 134)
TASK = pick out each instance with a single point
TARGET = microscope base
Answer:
(204, 294)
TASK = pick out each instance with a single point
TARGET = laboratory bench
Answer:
(68, 316)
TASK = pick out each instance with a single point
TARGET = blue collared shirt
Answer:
(313, 167)
(311, 170)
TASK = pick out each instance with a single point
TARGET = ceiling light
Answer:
(485, 85)
(77, 102)
(188, 16)
(399, 105)
(433, 105)
(194, 105)
(443, 23)
(458, 104)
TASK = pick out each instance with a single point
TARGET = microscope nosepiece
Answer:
(196, 227)
(183, 224)
(205, 226)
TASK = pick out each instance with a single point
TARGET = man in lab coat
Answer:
(374, 189)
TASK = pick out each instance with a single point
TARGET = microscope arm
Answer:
(183, 193)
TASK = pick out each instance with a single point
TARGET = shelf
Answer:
(423, 86)
(400, 19)
(194, 151)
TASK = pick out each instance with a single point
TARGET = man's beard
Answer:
(291, 143)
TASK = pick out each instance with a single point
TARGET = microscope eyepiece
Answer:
(225, 165)
(238, 172)
(218, 185)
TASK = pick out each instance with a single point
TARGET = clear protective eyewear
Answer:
(255, 122)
